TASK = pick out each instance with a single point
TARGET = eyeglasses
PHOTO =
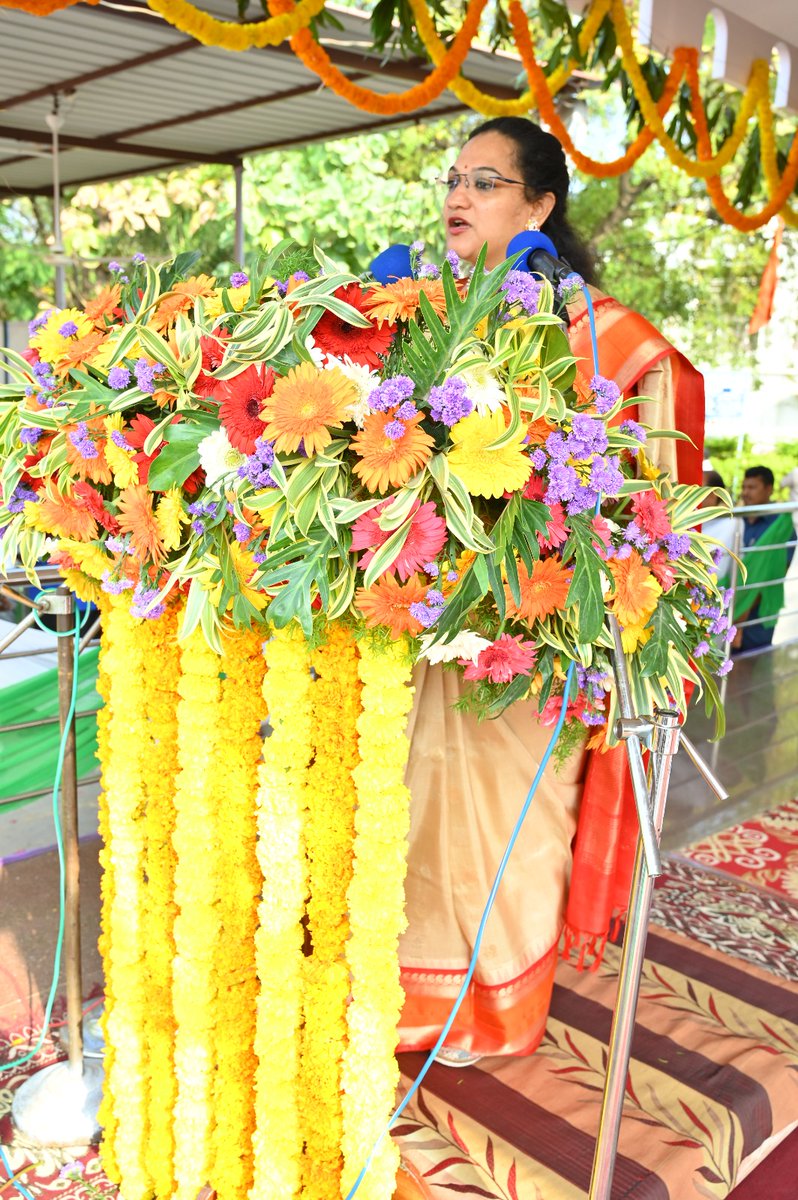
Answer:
(481, 181)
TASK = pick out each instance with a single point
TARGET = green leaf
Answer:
(178, 458)
(585, 590)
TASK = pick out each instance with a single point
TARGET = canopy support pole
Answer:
(238, 250)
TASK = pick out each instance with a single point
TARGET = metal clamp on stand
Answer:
(651, 791)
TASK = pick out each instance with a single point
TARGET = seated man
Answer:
(763, 593)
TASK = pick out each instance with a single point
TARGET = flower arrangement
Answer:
(418, 458)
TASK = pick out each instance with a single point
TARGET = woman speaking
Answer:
(571, 865)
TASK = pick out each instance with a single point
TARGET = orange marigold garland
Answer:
(238, 752)
(330, 830)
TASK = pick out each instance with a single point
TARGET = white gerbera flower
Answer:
(483, 388)
(463, 645)
(365, 381)
(218, 458)
(316, 353)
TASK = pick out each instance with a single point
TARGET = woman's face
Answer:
(474, 216)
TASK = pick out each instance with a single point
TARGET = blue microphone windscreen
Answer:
(392, 264)
(527, 241)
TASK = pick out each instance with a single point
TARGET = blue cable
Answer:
(59, 840)
(502, 865)
(23, 1191)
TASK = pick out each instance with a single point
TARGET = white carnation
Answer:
(463, 645)
(218, 458)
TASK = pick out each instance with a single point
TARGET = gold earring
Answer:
(532, 225)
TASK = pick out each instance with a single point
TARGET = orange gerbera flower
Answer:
(104, 303)
(388, 602)
(62, 515)
(543, 592)
(304, 405)
(636, 590)
(387, 462)
(77, 352)
(399, 301)
(137, 518)
(180, 299)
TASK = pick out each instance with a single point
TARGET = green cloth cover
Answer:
(763, 566)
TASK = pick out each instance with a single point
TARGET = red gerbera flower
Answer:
(88, 497)
(240, 405)
(500, 662)
(535, 487)
(424, 541)
(651, 514)
(339, 338)
(141, 426)
(556, 529)
(212, 354)
(662, 569)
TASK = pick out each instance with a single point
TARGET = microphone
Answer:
(392, 264)
(537, 255)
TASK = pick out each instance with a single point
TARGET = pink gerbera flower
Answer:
(556, 529)
(662, 569)
(502, 661)
(424, 541)
(651, 514)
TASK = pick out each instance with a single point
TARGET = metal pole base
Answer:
(58, 1105)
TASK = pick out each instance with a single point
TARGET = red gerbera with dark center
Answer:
(339, 338)
(212, 354)
(240, 405)
(88, 497)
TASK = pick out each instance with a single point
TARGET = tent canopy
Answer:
(138, 96)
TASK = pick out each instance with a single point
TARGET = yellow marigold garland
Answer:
(238, 752)
(376, 915)
(230, 35)
(281, 803)
(197, 924)
(126, 1099)
(330, 832)
(158, 916)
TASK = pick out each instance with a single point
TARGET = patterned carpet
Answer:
(763, 852)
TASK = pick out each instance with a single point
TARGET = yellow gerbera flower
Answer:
(51, 342)
(485, 470)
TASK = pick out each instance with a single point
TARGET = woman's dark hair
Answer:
(542, 165)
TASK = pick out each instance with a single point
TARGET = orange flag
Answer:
(767, 286)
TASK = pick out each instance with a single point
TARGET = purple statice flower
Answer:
(635, 535)
(432, 569)
(256, 469)
(139, 258)
(68, 329)
(557, 446)
(623, 551)
(701, 649)
(434, 598)
(634, 430)
(450, 402)
(730, 633)
(719, 625)
(584, 497)
(124, 279)
(115, 267)
(118, 438)
(563, 482)
(118, 378)
(395, 430)
(391, 393)
(239, 279)
(241, 531)
(452, 576)
(30, 435)
(417, 247)
(677, 544)
(650, 551)
(453, 259)
(569, 287)
(81, 440)
(524, 289)
(593, 718)
(142, 597)
(725, 667)
(429, 271)
(39, 320)
(145, 375)
(20, 496)
(538, 458)
(428, 612)
(605, 475)
(587, 437)
(115, 587)
(606, 393)
(42, 370)
(406, 411)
